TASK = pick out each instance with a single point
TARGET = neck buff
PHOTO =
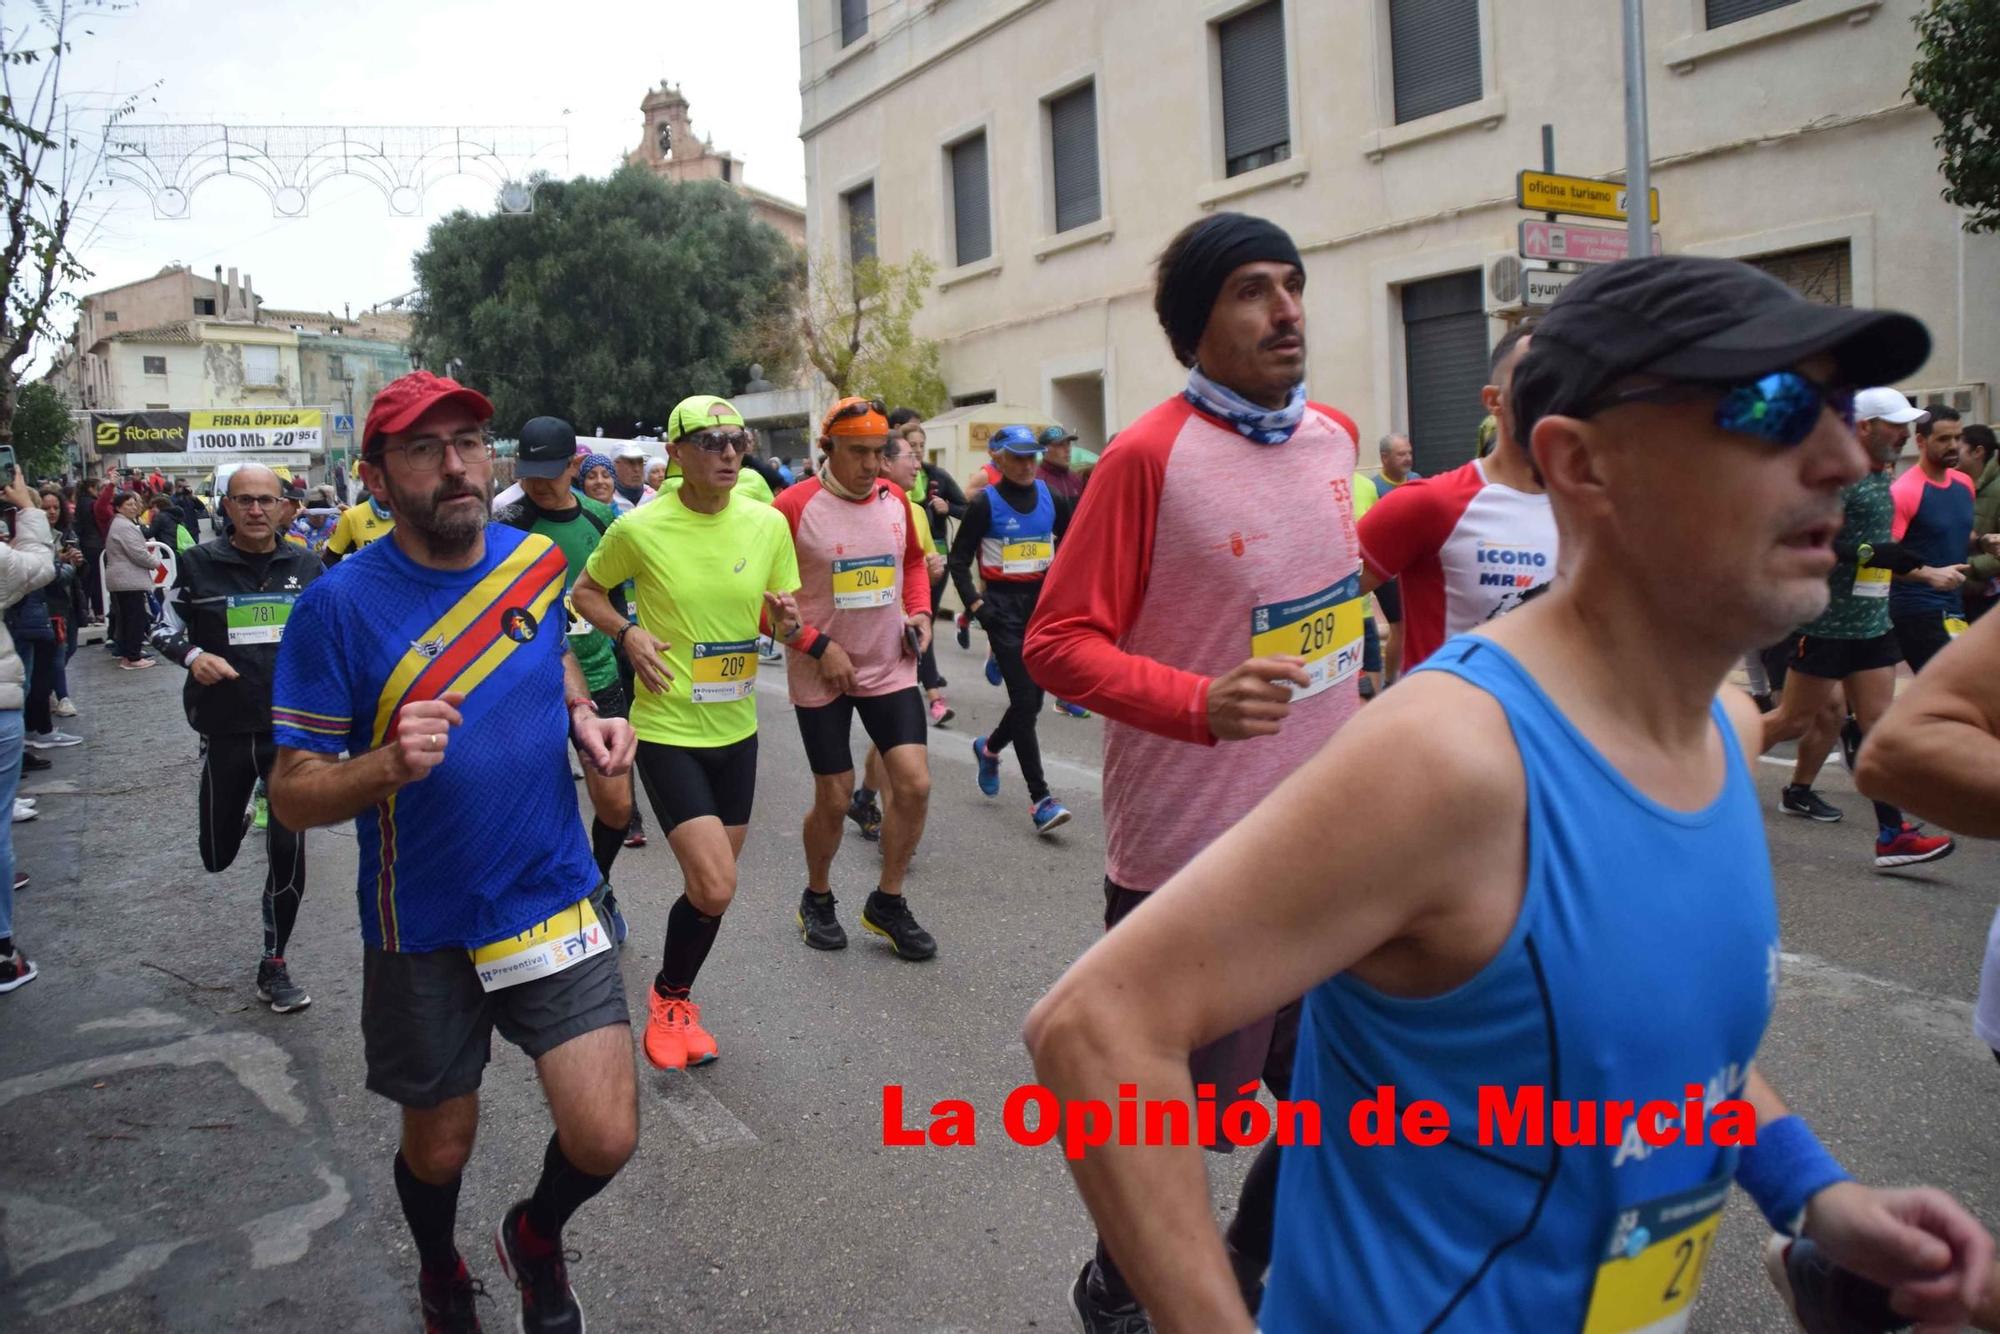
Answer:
(1266, 426)
(826, 479)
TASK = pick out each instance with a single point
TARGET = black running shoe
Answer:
(1094, 1312)
(547, 1304)
(821, 929)
(31, 761)
(867, 817)
(1823, 1297)
(1803, 801)
(889, 916)
(449, 1303)
(275, 986)
(1850, 741)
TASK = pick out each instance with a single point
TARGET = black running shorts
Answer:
(688, 782)
(890, 721)
(427, 1026)
(1837, 659)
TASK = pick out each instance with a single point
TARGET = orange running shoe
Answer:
(675, 1038)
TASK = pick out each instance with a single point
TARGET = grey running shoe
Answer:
(1803, 801)
(1094, 1312)
(275, 985)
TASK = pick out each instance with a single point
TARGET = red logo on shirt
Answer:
(1236, 544)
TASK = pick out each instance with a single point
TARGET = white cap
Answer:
(1887, 405)
(632, 449)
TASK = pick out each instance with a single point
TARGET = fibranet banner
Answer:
(209, 431)
(142, 432)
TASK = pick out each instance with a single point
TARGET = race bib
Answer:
(860, 582)
(1956, 626)
(543, 950)
(1651, 1265)
(1324, 629)
(1871, 582)
(258, 618)
(1030, 555)
(724, 673)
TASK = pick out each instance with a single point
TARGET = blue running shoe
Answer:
(1069, 710)
(1050, 814)
(993, 677)
(989, 767)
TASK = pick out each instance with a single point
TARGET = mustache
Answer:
(1284, 332)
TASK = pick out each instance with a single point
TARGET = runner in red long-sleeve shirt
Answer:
(1209, 590)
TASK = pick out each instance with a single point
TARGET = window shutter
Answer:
(1445, 353)
(1721, 12)
(1434, 48)
(861, 223)
(853, 21)
(1073, 152)
(971, 225)
(1256, 120)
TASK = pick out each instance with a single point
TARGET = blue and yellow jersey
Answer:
(490, 842)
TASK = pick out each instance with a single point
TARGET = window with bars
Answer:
(155, 365)
(853, 20)
(971, 219)
(1073, 157)
(1434, 55)
(1721, 12)
(859, 205)
(1444, 364)
(1823, 273)
(1256, 108)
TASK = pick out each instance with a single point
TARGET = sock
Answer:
(432, 1213)
(1890, 818)
(690, 935)
(563, 1189)
(6, 947)
(863, 795)
(604, 844)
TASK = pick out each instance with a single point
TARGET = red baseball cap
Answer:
(403, 401)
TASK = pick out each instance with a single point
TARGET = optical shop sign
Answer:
(211, 431)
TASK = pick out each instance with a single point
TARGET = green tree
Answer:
(48, 163)
(854, 325)
(1957, 75)
(611, 302)
(42, 430)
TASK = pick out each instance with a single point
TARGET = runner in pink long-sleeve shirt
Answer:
(865, 600)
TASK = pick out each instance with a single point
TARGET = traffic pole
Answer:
(1638, 153)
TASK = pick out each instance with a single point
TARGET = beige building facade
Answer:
(1044, 151)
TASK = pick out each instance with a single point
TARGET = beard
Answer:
(449, 533)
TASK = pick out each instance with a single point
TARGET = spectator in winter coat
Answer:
(128, 575)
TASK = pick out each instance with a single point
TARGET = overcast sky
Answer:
(583, 65)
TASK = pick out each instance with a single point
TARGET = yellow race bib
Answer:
(1652, 1263)
(860, 582)
(1324, 629)
(1871, 582)
(1030, 555)
(724, 673)
(543, 950)
(1956, 625)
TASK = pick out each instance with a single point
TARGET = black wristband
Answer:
(619, 642)
(818, 650)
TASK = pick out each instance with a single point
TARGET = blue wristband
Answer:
(1784, 1169)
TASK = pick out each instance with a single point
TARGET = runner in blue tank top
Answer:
(1569, 917)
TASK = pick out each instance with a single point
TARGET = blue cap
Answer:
(1015, 440)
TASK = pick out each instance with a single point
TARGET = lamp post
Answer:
(1638, 152)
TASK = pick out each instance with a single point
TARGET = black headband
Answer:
(1215, 248)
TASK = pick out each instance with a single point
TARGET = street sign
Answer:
(1576, 244)
(343, 425)
(1541, 287)
(1547, 192)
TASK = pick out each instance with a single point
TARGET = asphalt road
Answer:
(175, 1157)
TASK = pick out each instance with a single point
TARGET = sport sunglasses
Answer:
(714, 441)
(1781, 408)
(860, 407)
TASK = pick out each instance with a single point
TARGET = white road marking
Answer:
(1809, 978)
(135, 1264)
(143, 1017)
(37, 1232)
(258, 1063)
(283, 1235)
(701, 1114)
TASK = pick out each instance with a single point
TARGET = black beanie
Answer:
(1200, 260)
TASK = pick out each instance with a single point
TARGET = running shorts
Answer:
(427, 1025)
(891, 720)
(1837, 659)
(688, 782)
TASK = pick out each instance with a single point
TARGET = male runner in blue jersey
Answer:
(1589, 907)
(437, 659)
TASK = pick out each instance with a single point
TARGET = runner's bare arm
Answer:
(1299, 891)
(593, 603)
(309, 789)
(1936, 752)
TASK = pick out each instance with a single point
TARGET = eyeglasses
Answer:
(426, 452)
(255, 502)
(715, 442)
(1781, 408)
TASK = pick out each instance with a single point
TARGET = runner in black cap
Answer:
(1600, 925)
